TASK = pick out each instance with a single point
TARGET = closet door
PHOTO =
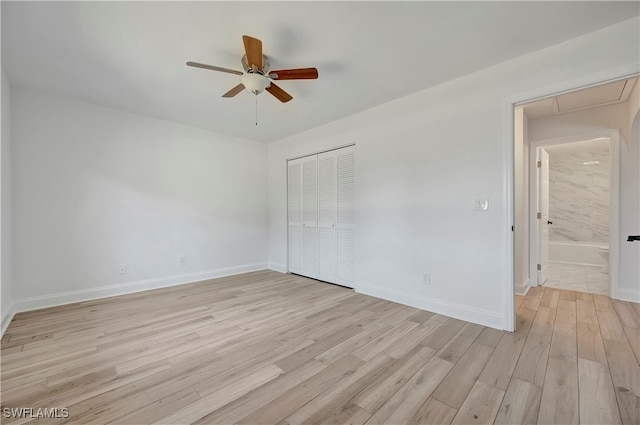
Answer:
(310, 216)
(327, 242)
(294, 210)
(346, 215)
(321, 211)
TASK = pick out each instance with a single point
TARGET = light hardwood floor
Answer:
(270, 348)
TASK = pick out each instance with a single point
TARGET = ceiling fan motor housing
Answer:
(266, 65)
(254, 79)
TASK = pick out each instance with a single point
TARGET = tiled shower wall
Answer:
(579, 196)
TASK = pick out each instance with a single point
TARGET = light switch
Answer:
(481, 204)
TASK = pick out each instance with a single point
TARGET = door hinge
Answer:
(539, 267)
(512, 228)
(539, 165)
(539, 215)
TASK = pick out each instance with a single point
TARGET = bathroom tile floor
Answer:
(578, 278)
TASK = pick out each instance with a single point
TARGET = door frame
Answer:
(614, 199)
(509, 105)
(536, 198)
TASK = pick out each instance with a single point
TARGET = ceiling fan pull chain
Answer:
(256, 109)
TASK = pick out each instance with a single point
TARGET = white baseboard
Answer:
(524, 287)
(458, 311)
(7, 318)
(35, 303)
(628, 295)
(282, 268)
(569, 263)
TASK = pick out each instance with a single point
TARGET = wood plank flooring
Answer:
(271, 348)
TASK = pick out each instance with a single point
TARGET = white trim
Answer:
(69, 297)
(521, 290)
(576, 264)
(348, 145)
(579, 83)
(524, 287)
(7, 319)
(509, 220)
(277, 267)
(458, 311)
(286, 210)
(629, 295)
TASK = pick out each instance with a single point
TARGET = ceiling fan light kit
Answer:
(255, 83)
(256, 76)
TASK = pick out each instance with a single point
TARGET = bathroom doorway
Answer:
(573, 193)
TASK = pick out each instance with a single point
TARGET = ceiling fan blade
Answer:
(213, 68)
(253, 49)
(234, 91)
(295, 74)
(278, 93)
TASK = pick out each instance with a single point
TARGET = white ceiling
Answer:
(592, 97)
(131, 55)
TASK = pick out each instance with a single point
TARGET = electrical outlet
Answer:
(122, 269)
(426, 278)
(183, 260)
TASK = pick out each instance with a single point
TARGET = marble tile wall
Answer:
(579, 196)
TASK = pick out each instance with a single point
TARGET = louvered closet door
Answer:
(327, 242)
(310, 216)
(294, 207)
(346, 215)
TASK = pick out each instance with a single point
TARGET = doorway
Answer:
(575, 206)
(598, 111)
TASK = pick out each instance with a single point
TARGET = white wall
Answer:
(579, 195)
(600, 119)
(96, 187)
(582, 122)
(6, 296)
(634, 108)
(423, 159)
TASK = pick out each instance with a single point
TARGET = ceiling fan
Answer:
(257, 76)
